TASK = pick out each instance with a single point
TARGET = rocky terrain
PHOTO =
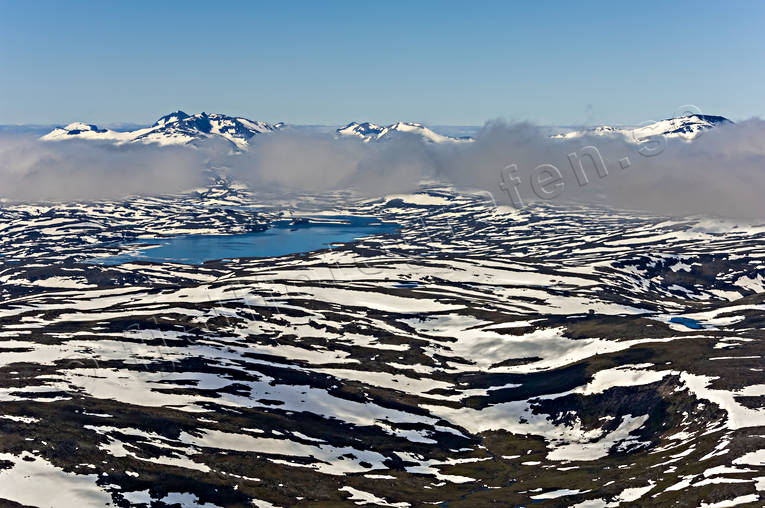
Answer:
(481, 356)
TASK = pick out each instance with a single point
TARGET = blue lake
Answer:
(283, 237)
(687, 322)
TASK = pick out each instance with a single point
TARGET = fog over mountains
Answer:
(698, 164)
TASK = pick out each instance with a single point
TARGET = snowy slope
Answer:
(368, 131)
(687, 127)
(177, 128)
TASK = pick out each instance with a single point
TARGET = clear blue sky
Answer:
(434, 62)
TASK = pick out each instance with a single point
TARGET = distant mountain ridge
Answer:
(368, 131)
(180, 128)
(687, 127)
(177, 128)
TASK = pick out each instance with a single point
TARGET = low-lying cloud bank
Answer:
(33, 170)
(722, 172)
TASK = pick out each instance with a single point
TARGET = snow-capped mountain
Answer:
(368, 131)
(686, 127)
(177, 128)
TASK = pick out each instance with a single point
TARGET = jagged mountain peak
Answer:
(361, 129)
(171, 118)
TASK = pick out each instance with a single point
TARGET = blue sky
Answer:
(434, 62)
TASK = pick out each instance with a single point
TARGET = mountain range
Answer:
(179, 128)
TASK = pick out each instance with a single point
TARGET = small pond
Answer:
(687, 322)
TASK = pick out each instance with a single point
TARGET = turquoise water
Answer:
(283, 237)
